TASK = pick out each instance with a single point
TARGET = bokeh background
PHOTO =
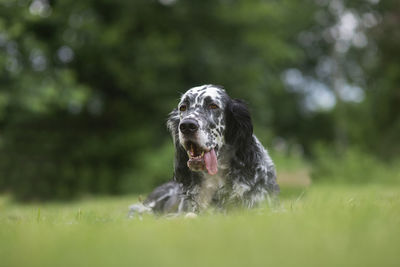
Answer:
(86, 86)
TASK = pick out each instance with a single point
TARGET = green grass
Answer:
(321, 226)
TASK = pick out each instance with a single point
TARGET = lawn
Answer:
(322, 225)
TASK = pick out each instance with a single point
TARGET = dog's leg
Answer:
(168, 198)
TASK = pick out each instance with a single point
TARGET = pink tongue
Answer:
(211, 162)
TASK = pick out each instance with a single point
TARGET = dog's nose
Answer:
(189, 126)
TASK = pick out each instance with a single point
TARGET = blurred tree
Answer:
(383, 94)
(87, 85)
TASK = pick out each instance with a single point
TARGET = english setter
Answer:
(218, 159)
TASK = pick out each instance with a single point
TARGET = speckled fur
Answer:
(246, 173)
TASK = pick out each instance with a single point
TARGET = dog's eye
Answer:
(213, 106)
(182, 108)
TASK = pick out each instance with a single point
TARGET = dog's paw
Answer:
(137, 210)
(190, 215)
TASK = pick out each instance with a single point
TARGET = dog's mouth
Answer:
(201, 159)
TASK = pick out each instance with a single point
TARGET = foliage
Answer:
(87, 85)
(354, 166)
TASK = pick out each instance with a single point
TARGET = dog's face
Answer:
(202, 125)
(205, 120)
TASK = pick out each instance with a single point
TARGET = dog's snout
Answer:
(189, 126)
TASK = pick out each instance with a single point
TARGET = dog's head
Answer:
(205, 121)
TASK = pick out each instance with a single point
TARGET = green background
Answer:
(85, 88)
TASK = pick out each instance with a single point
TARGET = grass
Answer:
(320, 226)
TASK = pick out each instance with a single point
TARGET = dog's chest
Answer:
(207, 189)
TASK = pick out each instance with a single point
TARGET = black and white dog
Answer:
(218, 160)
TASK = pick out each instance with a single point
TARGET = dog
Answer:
(219, 162)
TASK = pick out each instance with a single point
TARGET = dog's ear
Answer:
(173, 124)
(239, 127)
